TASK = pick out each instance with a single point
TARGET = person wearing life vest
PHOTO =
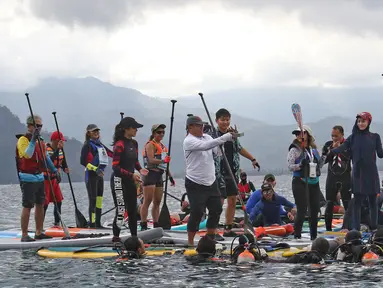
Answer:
(155, 160)
(55, 152)
(305, 162)
(338, 182)
(245, 187)
(30, 166)
(94, 157)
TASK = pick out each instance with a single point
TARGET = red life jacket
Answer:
(35, 164)
(243, 189)
(57, 162)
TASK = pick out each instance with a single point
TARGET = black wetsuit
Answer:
(338, 179)
(124, 190)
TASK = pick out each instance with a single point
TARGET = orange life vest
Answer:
(35, 164)
(159, 153)
(57, 162)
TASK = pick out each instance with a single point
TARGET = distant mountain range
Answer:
(81, 101)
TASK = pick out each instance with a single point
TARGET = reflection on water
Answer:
(27, 269)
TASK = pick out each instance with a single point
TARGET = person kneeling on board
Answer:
(266, 211)
(134, 248)
(257, 195)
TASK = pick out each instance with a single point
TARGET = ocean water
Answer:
(27, 269)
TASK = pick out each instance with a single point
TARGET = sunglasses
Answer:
(39, 125)
(160, 132)
(267, 192)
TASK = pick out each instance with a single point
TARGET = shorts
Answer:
(229, 190)
(154, 178)
(56, 189)
(32, 193)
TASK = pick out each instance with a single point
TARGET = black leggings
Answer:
(124, 193)
(56, 212)
(333, 185)
(301, 201)
(95, 188)
(373, 209)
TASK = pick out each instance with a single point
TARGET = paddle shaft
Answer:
(228, 168)
(169, 148)
(68, 174)
(66, 231)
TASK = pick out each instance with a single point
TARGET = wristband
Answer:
(171, 179)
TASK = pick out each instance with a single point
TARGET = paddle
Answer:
(65, 228)
(248, 226)
(80, 219)
(297, 112)
(164, 219)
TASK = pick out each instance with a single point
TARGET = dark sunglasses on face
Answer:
(39, 125)
(160, 132)
(267, 192)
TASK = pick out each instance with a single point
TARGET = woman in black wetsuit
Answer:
(124, 186)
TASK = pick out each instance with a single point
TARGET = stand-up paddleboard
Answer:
(15, 243)
(106, 252)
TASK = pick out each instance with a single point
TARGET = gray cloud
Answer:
(352, 16)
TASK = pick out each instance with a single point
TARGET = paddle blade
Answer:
(297, 113)
(80, 220)
(164, 219)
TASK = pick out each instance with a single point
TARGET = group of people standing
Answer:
(208, 178)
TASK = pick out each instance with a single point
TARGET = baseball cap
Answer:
(266, 187)
(92, 127)
(156, 126)
(194, 120)
(56, 136)
(269, 176)
(130, 122)
(305, 128)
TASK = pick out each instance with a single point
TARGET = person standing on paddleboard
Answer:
(155, 160)
(30, 167)
(338, 182)
(200, 181)
(233, 149)
(364, 146)
(55, 152)
(124, 188)
(305, 162)
(94, 157)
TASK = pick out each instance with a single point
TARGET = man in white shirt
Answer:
(200, 181)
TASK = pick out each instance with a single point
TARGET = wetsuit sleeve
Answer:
(258, 208)
(137, 165)
(50, 163)
(379, 149)
(282, 211)
(84, 158)
(251, 186)
(284, 202)
(293, 154)
(346, 145)
(118, 151)
(325, 157)
(25, 148)
(195, 144)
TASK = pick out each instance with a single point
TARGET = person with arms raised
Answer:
(338, 182)
(364, 146)
(200, 181)
(304, 160)
(233, 149)
(56, 154)
(155, 160)
(94, 157)
(267, 211)
(125, 162)
(30, 168)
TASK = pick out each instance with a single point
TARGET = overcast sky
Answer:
(170, 48)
